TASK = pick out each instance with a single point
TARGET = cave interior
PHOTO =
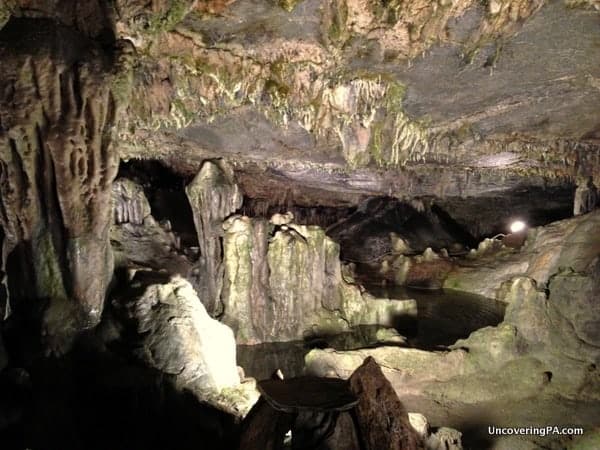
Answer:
(300, 224)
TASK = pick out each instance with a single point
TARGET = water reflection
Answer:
(443, 317)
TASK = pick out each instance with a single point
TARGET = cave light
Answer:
(517, 226)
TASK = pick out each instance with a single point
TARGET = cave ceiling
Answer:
(331, 101)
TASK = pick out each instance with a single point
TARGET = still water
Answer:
(443, 317)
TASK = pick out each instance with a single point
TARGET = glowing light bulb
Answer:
(517, 226)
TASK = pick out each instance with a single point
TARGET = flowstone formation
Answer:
(345, 98)
(62, 97)
(214, 196)
(287, 284)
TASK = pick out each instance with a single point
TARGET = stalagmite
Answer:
(213, 196)
(586, 196)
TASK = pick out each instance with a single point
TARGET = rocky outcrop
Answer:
(3, 355)
(138, 239)
(213, 195)
(58, 115)
(547, 348)
(568, 243)
(177, 336)
(382, 420)
(288, 285)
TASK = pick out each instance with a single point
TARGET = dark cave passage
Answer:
(165, 191)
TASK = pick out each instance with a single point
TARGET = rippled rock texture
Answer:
(286, 284)
(214, 196)
(58, 111)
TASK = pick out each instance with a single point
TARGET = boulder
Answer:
(177, 336)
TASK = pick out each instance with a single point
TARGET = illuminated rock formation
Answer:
(58, 112)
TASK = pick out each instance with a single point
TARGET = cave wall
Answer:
(58, 112)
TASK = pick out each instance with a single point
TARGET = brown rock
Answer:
(381, 417)
(58, 112)
(264, 428)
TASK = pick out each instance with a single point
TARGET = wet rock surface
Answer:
(545, 349)
(290, 286)
(407, 130)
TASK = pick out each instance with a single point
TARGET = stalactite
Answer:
(57, 163)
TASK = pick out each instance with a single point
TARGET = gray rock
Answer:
(178, 337)
(445, 439)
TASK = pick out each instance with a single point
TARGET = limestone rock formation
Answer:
(382, 419)
(177, 336)
(567, 243)
(138, 239)
(344, 107)
(289, 285)
(130, 205)
(546, 349)
(213, 195)
(586, 196)
(58, 114)
(400, 132)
